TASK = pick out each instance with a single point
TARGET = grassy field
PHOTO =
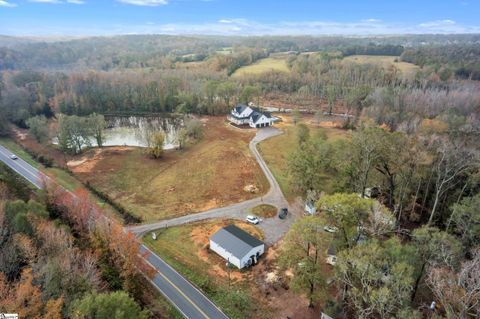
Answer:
(186, 249)
(262, 66)
(212, 173)
(408, 69)
(264, 211)
(276, 151)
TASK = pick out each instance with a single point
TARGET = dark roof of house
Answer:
(235, 240)
(255, 116)
(240, 108)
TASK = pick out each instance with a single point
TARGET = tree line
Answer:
(59, 258)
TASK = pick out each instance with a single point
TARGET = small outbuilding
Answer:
(237, 246)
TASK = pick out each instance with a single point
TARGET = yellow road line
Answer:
(178, 289)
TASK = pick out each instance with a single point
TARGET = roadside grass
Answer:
(17, 149)
(210, 174)
(185, 248)
(264, 211)
(62, 177)
(277, 150)
(262, 66)
(408, 69)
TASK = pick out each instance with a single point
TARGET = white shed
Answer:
(237, 246)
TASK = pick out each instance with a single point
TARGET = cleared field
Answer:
(212, 173)
(262, 66)
(276, 151)
(408, 69)
(186, 249)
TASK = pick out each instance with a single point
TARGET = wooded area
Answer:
(405, 198)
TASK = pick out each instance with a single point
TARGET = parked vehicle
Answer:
(252, 219)
(330, 229)
(282, 214)
(13, 157)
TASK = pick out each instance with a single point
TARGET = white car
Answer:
(252, 219)
(330, 229)
(331, 260)
(13, 157)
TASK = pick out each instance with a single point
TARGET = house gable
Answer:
(242, 111)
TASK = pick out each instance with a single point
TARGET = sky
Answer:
(237, 17)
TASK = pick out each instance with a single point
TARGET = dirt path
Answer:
(273, 228)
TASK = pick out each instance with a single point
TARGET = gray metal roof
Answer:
(235, 240)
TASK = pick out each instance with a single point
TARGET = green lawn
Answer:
(262, 66)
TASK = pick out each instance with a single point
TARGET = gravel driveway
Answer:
(273, 228)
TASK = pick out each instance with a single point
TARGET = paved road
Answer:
(273, 228)
(182, 294)
(21, 167)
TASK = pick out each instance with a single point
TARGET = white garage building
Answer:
(237, 246)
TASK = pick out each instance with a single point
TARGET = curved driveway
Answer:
(189, 300)
(273, 228)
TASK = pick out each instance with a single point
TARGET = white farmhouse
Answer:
(245, 115)
(237, 246)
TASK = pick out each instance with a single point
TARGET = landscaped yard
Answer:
(212, 173)
(262, 66)
(408, 69)
(276, 151)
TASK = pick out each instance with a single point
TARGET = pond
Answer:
(131, 130)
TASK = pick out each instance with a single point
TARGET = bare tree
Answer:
(452, 161)
(459, 293)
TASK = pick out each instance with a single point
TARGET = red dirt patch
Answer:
(200, 236)
(212, 173)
